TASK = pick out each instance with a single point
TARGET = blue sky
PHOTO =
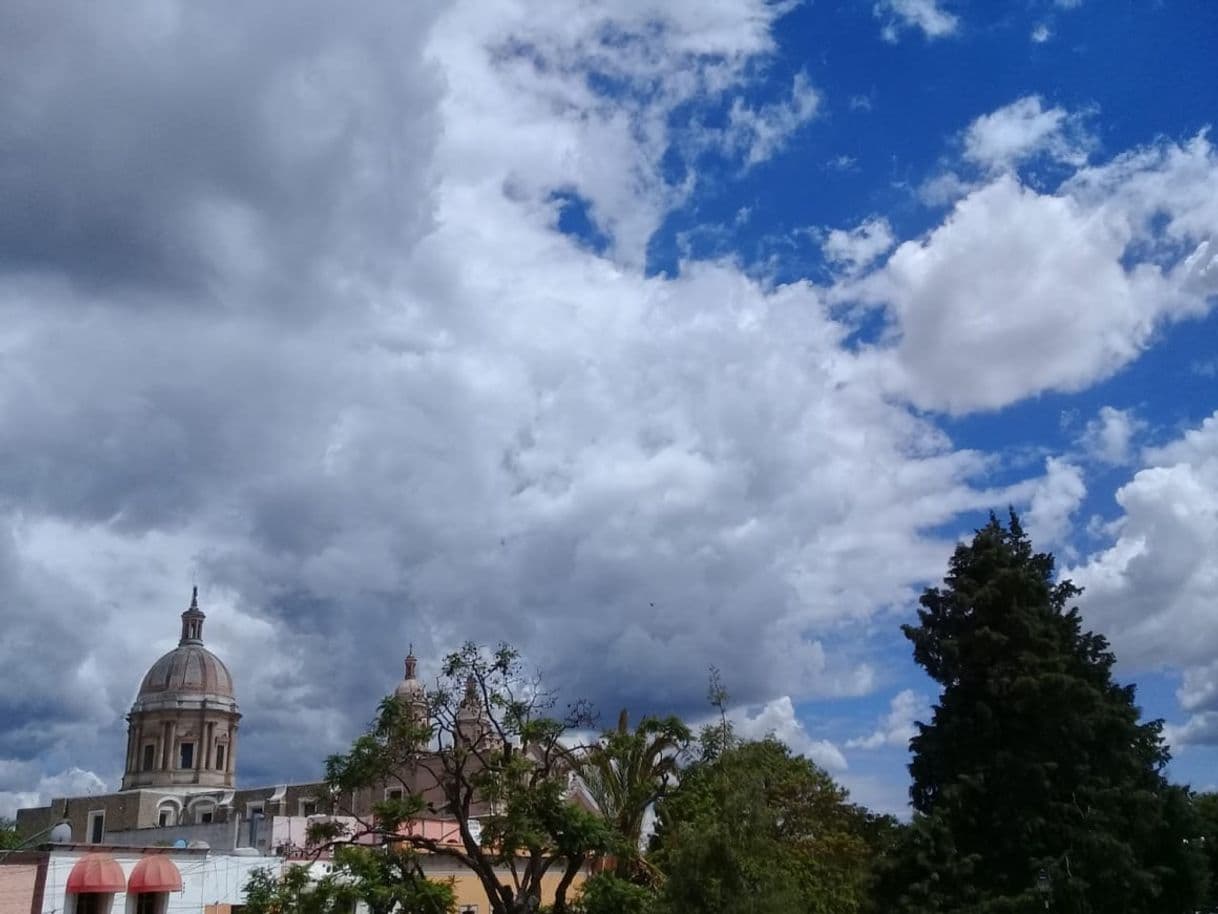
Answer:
(649, 337)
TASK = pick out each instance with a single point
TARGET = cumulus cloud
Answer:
(898, 726)
(1199, 688)
(1020, 291)
(1109, 437)
(73, 782)
(1041, 33)
(1055, 498)
(777, 718)
(286, 310)
(1025, 128)
(925, 15)
(1198, 694)
(1152, 589)
(858, 248)
(1199, 730)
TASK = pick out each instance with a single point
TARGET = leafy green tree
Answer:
(387, 879)
(752, 828)
(606, 893)
(1034, 759)
(627, 771)
(9, 838)
(486, 756)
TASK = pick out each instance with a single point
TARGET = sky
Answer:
(644, 336)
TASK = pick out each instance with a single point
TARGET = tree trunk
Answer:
(574, 865)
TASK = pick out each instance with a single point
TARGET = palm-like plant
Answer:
(628, 771)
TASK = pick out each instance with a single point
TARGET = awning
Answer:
(155, 873)
(96, 873)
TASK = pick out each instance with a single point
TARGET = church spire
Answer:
(192, 621)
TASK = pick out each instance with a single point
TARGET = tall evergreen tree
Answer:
(1035, 760)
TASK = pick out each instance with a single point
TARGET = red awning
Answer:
(96, 873)
(155, 873)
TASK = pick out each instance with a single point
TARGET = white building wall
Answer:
(207, 879)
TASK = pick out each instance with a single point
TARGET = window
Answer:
(393, 793)
(308, 807)
(97, 825)
(205, 817)
(149, 902)
(92, 903)
(219, 758)
(186, 755)
(149, 753)
(253, 809)
(165, 818)
(468, 909)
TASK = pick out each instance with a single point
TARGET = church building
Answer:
(180, 768)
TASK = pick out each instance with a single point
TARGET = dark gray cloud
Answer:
(176, 155)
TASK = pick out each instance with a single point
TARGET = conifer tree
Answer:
(1036, 785)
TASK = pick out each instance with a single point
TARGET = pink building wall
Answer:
(17, 885)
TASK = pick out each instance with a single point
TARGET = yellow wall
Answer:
(468, 889)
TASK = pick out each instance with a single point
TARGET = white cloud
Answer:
(1199, 688)
(1041, 33)
(1020, 292)
(1199, 730)
(777, 718)
(1055, 498)
(944, 189)
(1151, 591)
(1109, 437)
(1023, 129)
(72, 782)
(858, 248)
(761, 132)
(926, 15)
(897, 727)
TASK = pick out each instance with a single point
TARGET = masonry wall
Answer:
(18, 887)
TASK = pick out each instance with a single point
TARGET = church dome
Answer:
(189, 668)
(189, 674)
(410, 690)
